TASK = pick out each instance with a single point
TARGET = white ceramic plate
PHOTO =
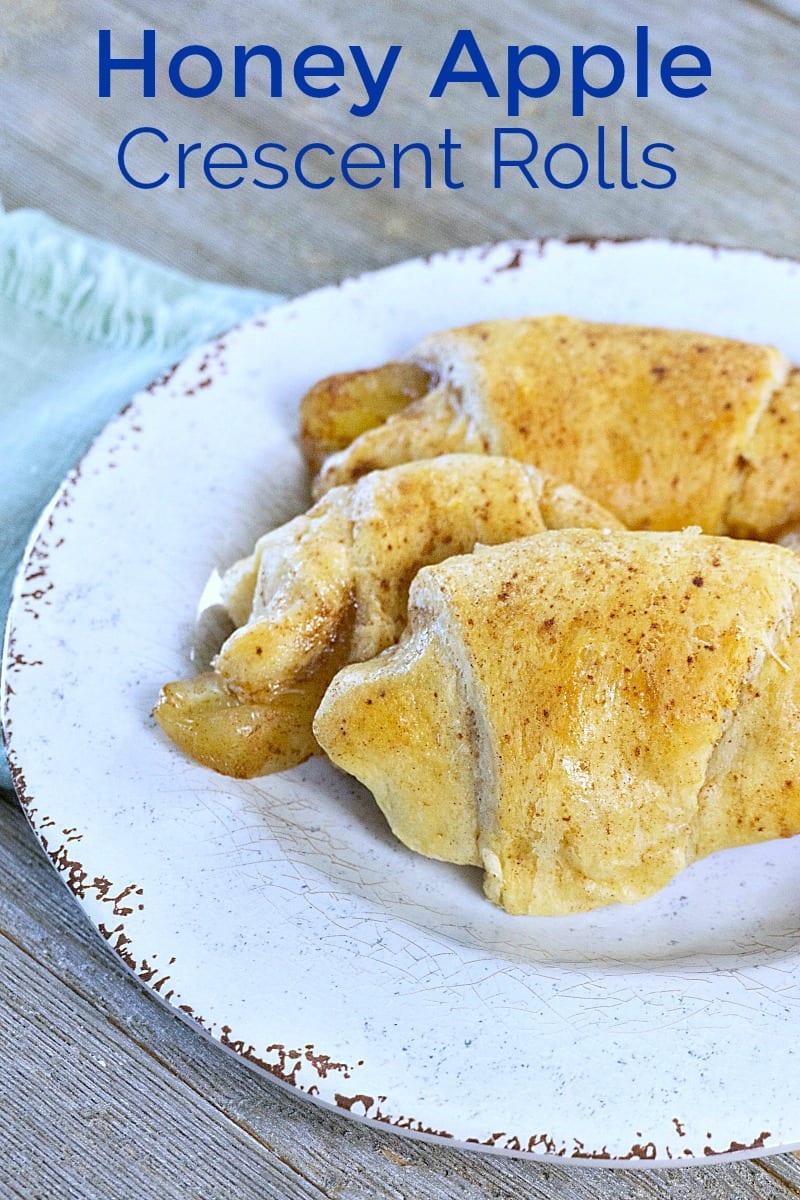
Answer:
(281, 913)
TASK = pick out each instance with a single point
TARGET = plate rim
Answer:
(515, 247)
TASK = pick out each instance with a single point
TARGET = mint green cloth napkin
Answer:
(83, 326)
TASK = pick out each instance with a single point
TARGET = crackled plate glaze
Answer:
(280, 913)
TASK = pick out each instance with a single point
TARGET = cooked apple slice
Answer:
(331, 587)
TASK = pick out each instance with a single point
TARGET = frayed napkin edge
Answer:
(103, 294)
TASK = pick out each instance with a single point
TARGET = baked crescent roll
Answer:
(331, 587)
(583, 713)
(665, 428)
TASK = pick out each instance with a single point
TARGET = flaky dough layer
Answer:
(331, 587)
(665, 428)
(583, 713)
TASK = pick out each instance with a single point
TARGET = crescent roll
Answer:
(331, 587)
(583, 713)
(665, 428)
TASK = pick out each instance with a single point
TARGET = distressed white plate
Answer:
(281, 913)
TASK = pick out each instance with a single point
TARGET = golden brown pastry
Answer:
(583, 713)
(664, 428)
(331, 587)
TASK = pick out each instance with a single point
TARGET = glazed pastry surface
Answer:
(665, 428)
(331, 587)
(583, 713)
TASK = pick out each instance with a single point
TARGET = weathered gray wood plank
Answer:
(102, 1075)
(104, 1092)
(735, 155)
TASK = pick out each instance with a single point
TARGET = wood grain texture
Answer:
(735, 146)
(104, 1092)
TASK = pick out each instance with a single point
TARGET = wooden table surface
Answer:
(103, 1091)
